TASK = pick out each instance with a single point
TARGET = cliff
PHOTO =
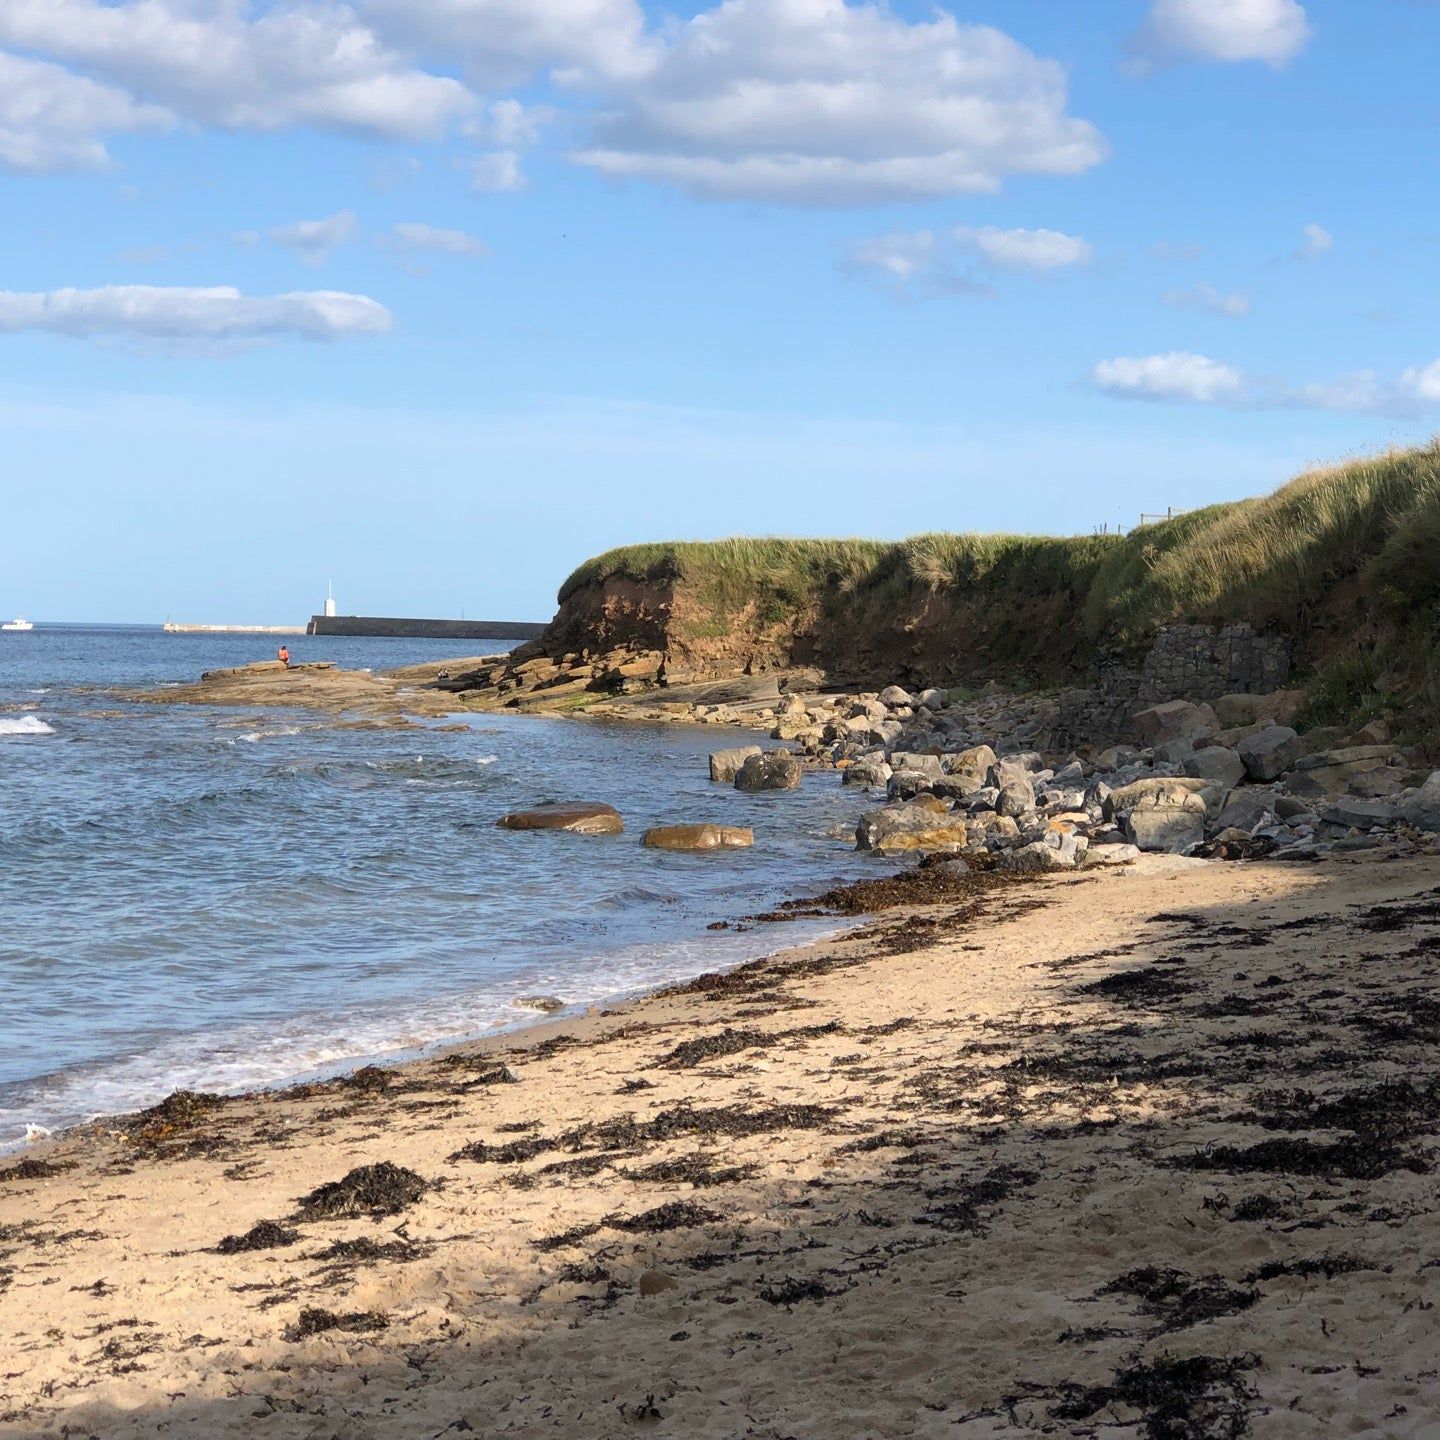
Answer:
(1340, 568)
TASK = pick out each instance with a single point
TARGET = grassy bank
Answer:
(1346, 560)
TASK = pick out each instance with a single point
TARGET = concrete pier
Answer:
(423, 629)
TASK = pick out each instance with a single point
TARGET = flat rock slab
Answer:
(574, 816)
(699, 837)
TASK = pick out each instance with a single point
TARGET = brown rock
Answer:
(698, 837)
(578, 817)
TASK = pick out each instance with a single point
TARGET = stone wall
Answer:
(1199, 662)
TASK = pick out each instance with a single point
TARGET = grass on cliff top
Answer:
(1373, 522)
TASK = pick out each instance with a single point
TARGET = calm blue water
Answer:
(218, 899)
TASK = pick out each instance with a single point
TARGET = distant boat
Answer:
(18, 623)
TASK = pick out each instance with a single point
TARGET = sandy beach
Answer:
(1140, 1153)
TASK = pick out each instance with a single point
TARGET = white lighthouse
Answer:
(330, 600)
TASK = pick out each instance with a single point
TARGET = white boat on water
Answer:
(18, 623)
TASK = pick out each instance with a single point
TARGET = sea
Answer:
(215, 899)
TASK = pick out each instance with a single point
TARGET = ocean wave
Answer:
(25, 725)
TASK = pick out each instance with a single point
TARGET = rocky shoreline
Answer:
(992, 780)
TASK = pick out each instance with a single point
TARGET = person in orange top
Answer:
(283, 656)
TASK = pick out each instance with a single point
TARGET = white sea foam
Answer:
(312, 1045)
(486, 759)
(24, 725)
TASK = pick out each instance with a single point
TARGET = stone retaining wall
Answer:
(1199, 662)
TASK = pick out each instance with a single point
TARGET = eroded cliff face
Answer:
(923, 637)
(622, 616)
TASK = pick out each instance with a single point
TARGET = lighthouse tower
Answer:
(329, 600)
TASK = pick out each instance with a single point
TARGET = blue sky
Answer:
(437, 298)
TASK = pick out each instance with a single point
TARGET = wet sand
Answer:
(1140, 1153)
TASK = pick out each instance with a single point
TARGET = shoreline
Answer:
(862, 1187)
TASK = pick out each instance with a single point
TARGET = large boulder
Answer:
(1017, 798)
(893, 695)
(770, 770)
(970, 767)
(725, 764)
(1155, 792)
(1035, 859)
(1110, 855)
(1278, 708)
(578, 817)
(871, 774)
(1422, 807)
(934, 699)
(1365, 814)
(698, 837)
(1270, 753)
(1168, 829)
(1158, 724)
(1162, 814)
(1216, 764)
(914, 827)
(1330, 772)
(923, 764)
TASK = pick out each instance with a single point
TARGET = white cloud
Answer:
(504, 42)
(497, 172)
(1274, 31)
(1207, 297)
(240, 64)
(1196, 379)
(410, 237)
(919, 264)
(53, 120)
(510, 124)
(313, 240)
(1178, 375)
(1024, 249)
(185, 313)
(823, 102)
(1318, 241)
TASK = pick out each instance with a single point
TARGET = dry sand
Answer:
(1130, 1154)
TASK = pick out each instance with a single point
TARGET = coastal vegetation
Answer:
(1343, 559)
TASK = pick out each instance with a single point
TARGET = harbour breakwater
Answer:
(421, 629)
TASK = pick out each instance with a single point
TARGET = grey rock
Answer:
(725, 764)
(870, 774)
(894, 695)
(1271, 753)
(908, 760)
(1121, 854)
(771, 770)
(1034, 859)
(1245, 809)
(1165, 829)
(1422, 807)
(1168, 792)
(934, 699)
(1016, 798)
(1361, 813)
(915, 827)
(1160, 723)
(1217, 764)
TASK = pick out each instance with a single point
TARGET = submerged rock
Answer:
(578, 817)
(698, 837)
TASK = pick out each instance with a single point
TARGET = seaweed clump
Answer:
(1195, 1397)
(376, 1190)
(1177, 1299)
(316, 1321)
(32, 1169)
(267, 1235)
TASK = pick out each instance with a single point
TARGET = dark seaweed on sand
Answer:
(315, 1321)
(1357, 1157)
(1195, 1397)
(1178, 1299)
(382, 1189)
(267, 1235)
(676, 1215)
(32, 1169)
